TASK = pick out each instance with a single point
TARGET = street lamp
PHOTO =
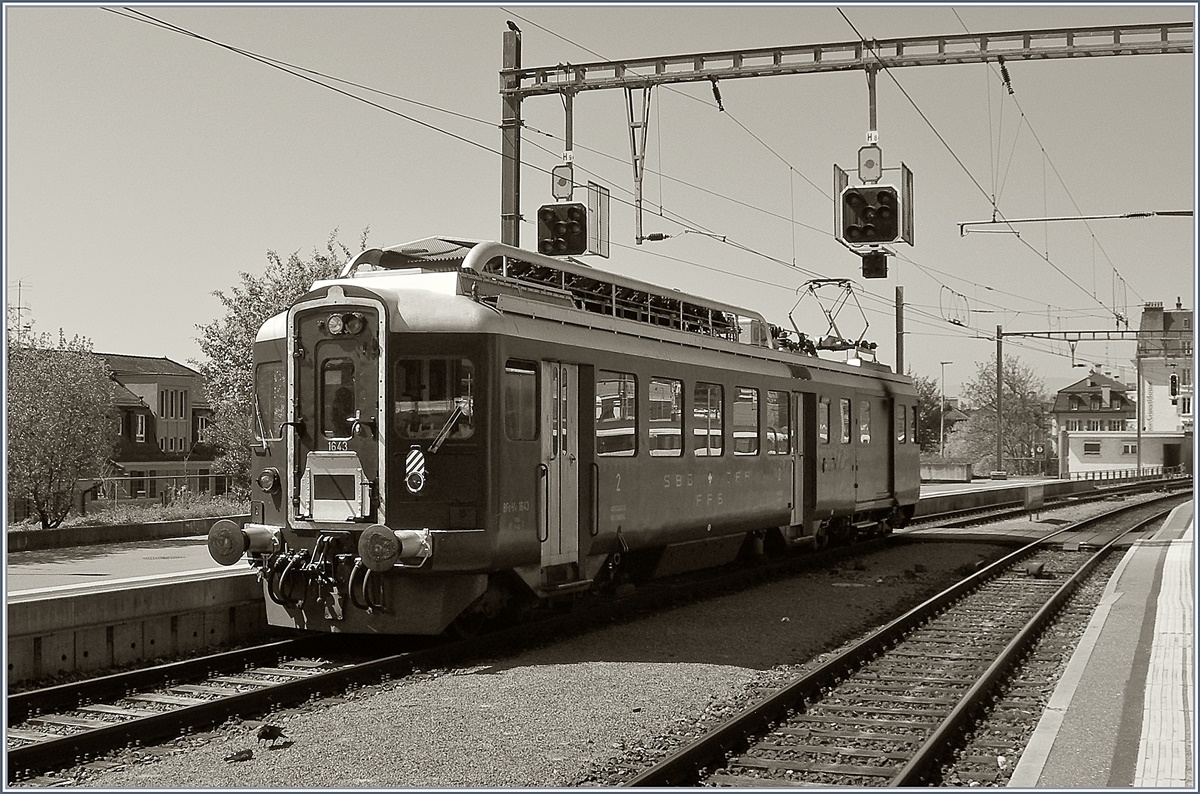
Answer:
(942, 409)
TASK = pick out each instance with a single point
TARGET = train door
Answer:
(873, 435)
(796, 439)
(558, 516)
(337, 380)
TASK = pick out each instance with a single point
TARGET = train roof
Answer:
(595, 289)
(517, 283)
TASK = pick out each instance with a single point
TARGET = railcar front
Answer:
(369, 463)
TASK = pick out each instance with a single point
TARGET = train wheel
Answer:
(820, 538)
(468, 625)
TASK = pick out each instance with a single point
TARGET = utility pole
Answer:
(999, 413)
(510, 126)
(942, 412)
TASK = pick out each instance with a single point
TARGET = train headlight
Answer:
(269, 480)
(351, 323)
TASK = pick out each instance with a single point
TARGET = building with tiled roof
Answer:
(1094, 403)
(162, 412)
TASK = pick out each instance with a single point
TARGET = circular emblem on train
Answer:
(414, 470)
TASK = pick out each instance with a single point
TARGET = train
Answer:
(453, 430)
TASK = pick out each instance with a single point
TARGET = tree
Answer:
(929, 412)
(1023, 404)
(61, 420)
(228, 344)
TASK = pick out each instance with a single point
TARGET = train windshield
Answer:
(429, 392)
(270, 401)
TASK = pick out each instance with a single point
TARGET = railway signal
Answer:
(562, 229)
(874, 265)
(870, 214)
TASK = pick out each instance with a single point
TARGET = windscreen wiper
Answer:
(444, 433)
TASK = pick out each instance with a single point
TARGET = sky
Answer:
(145, 169)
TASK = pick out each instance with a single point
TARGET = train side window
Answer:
(912, 426)
(901, 423)
(271, 398)
(845, 406)
(745, 422)
(666, 418)
(823, 420)
(616, 414)
(864, 421)
(707, 411)
(520, 400)
(779, 441)
(432, 394)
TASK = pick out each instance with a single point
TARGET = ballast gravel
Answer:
(580, 711)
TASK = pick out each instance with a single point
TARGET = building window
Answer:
(141, 428)
(1129, 448)
(162, 404)
(1185, 405)
(745, 422)
(1074, 403)
(666, 417)
(1091, 449)
(1074, 424)
(616, 414)
(1093, 426)
(1096, 404)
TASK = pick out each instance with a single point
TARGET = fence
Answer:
(161, 488)
(1126, 474)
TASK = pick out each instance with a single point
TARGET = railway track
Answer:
(891, 708)
(55, 727)
(59, 726)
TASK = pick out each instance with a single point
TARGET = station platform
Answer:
(99, 565)
(1123, 712)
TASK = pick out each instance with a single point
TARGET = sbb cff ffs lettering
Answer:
(870, 214)
(562, 229)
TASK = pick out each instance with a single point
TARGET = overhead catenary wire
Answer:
(957, 159)
(1025, 120)
(310, 75)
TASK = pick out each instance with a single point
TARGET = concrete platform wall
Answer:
(1013, 494)
(93, 630)
(63, 537)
